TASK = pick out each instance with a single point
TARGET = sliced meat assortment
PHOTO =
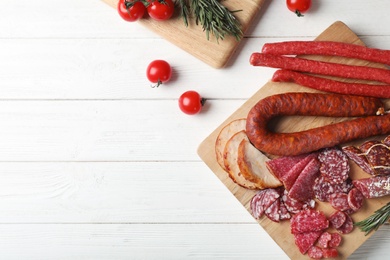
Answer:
(262, 200)
(323, 189)
(356, 155)
(374, 187)
(291, 176)
(281, 165)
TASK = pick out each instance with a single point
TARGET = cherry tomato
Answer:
(298, 6)
(161, 9)
(131, 11)
(159, 71)
(191, 102)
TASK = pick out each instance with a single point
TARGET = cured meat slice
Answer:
(284, 213)
(339, 201)
(355, 199)
(290, 177)
(280, 166)
(315, 252)
(323, 188)
(294, 206)
(324, 239)
(308, 221)
(273, 211)
(334, 165)
(306, 240)
(378, 155)
(302, 189)
(373, 187)
(329, 253)
(251, 163)
(347, 226)
(335, 241)
(262, 200)
(357, 156)
(337, 219)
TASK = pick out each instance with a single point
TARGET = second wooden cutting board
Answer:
(280, 232)
(192, 39)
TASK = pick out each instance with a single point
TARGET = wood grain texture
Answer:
(280, 232)
(193, 39)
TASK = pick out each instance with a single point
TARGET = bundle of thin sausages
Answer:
(276, 55)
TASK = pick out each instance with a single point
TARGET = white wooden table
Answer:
(96, 164)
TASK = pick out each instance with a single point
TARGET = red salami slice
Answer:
(330, 253)
(273, 211)
(294, 206)
(355, 199)
(280, 166)
(302, 189)
(323, 240)
(373, 187)
(339, 201)
(357, 156)
(315, 252)
(323, 188)
(290, 177)
(335, 241)
(337, 219)
(347, 227)
(262, 200)
(334, 165)
(304, 241)
(308, 221)
(378, 155)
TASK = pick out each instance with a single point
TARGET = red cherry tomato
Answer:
(159, 71)
(161, 9)
(131, 11)
(191, 102)
(298, 6)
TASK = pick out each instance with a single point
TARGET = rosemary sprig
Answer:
(214, 18)
(380, 217)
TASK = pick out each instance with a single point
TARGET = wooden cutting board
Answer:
(192, 39)
(280, 232)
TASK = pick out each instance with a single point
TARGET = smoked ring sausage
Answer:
(368, 123)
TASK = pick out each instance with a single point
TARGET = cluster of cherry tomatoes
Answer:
(159, 72)
(133, 10)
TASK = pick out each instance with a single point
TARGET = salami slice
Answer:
(262, 200)
(294, 206)
(308, 221)
(284, 213)
(378, 155)
(323, 240)
(329, 253)
(335, 241)
(334, 165)
(273, 211)
(347, 227)
(355, 199)
(290, 177)
(315, 252)
(339, 201)
(323, 188)
(302, 189)
(373, 187)
(337, 219)
(357, 156)
(280, 166)
(304, 241)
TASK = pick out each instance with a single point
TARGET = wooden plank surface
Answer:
(193, 39)
(280, 232)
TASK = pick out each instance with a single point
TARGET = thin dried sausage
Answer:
(314, 104)
(328, 48)
(320, 67)
(333, 86)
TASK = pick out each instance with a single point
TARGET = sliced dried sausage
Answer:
(305, 241)
(355, 199)
(334, 165)
(314, 104)
(337, 219)
(323, 188)
(373, 187)
(308, 221)
(339, 201)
